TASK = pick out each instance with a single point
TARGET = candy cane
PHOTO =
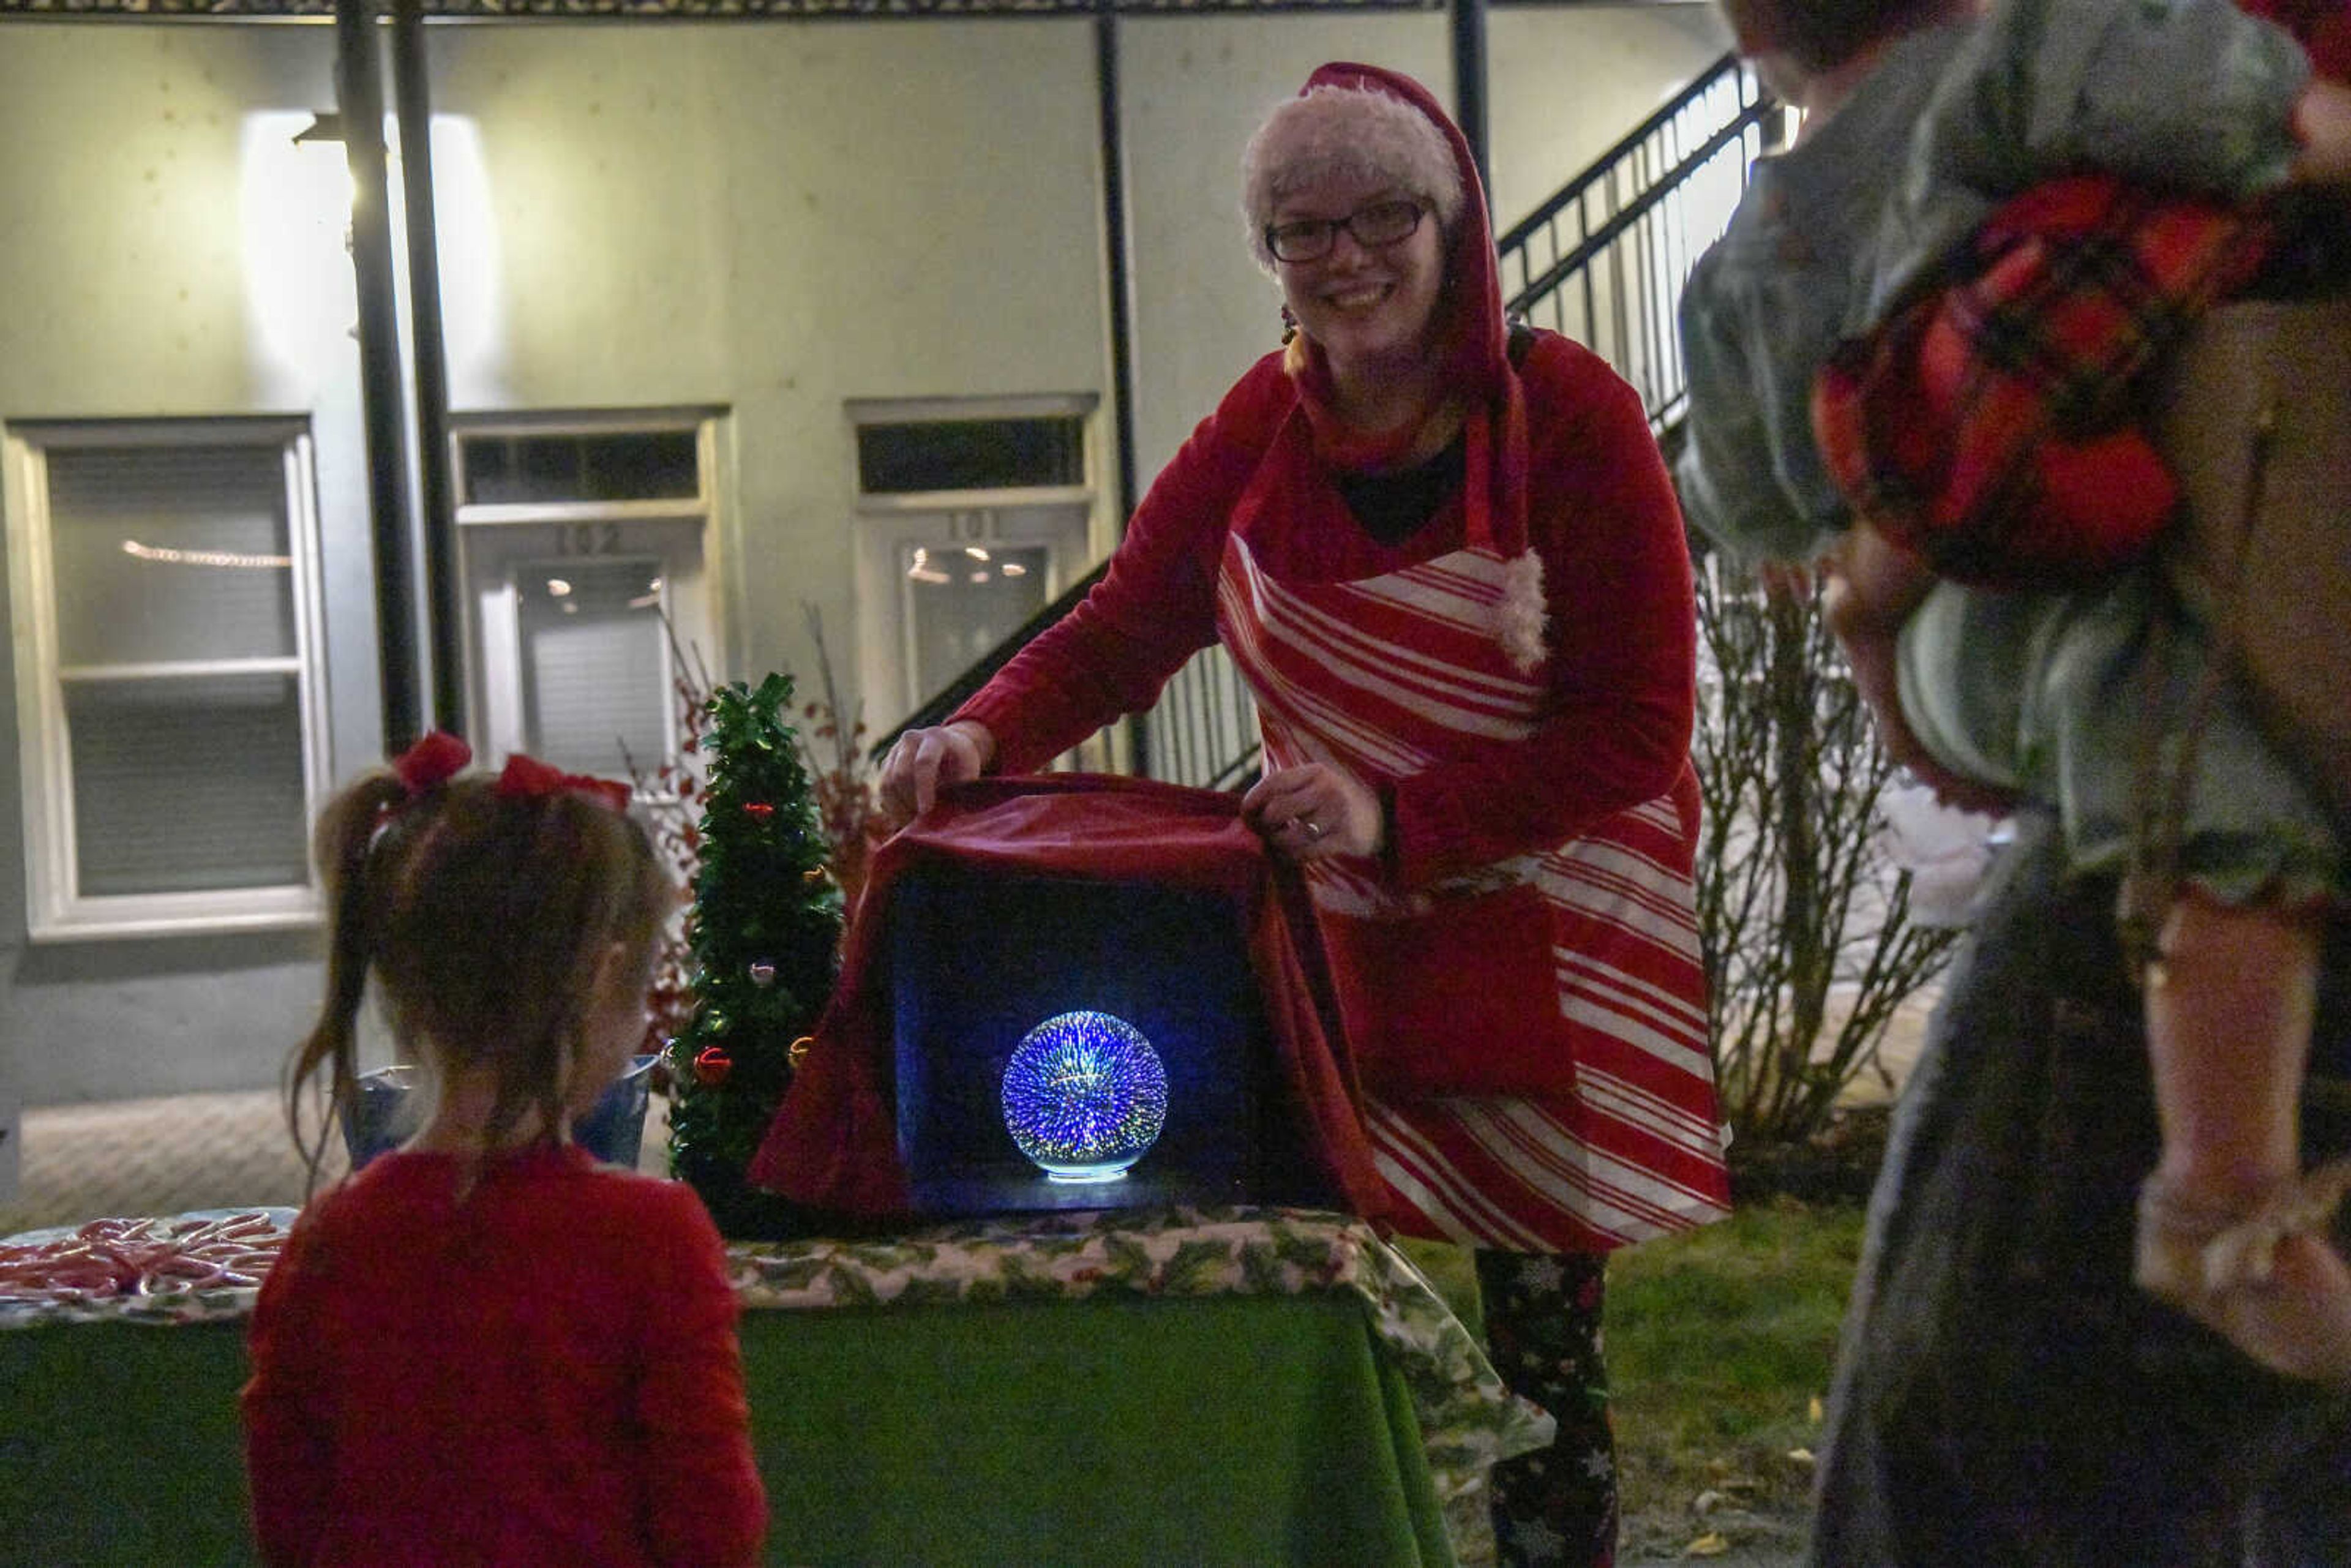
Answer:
(109, 1258)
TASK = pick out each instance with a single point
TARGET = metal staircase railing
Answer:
(1604, 259)
(1604, 262)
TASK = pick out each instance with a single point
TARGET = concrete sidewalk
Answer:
(133, 1157)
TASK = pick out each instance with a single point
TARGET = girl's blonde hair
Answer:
(1330, 131)
(482, 913)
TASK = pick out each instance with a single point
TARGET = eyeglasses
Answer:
(1375, 227)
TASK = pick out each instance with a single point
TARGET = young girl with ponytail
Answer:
(485, 1347)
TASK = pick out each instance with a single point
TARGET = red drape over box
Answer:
(834, 1141)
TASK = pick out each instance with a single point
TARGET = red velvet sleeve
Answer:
(709, 1508)
(1622, 634)
(1155, 607)
(289, 1457)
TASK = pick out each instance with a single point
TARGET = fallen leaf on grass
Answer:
(1800, 1456)
(1713, 1543)
(1813, 1410)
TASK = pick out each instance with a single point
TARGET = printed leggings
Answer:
(1542, 1330)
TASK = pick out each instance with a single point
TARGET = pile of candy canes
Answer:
(113, 1258)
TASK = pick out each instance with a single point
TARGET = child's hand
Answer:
(1883, 583)
(1786, 581)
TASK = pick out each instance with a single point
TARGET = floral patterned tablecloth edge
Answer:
(1468, 1419)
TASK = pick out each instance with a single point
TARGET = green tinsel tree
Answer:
(765, 937)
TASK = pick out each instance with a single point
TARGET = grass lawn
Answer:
(1718, 1345)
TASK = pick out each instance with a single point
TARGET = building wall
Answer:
(127, 287)
(769, 218)
(776, 219)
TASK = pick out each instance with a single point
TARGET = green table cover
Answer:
(1244, 1388)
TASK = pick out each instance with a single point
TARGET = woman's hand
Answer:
(926, 759)
(1314, 809)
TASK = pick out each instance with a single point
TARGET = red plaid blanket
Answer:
(1989, 427)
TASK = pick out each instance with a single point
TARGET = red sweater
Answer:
(544, 1372)
(1600, 511)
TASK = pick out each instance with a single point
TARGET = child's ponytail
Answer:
(342, 845)
(483, 907)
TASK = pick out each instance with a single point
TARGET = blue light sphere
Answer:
(1085, 1096)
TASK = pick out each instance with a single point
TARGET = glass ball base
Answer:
(1085, 1176)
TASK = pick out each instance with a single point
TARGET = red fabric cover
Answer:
(834, 1142)
(542, 1371)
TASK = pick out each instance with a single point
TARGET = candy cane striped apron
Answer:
(1619, 1141)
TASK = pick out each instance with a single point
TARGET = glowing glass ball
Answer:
(1085, 1096)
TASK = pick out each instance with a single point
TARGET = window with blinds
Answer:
(170, 732)
(590, 637)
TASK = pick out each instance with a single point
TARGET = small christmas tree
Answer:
(765, 936)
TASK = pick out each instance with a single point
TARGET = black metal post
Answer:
(1467, 18)
(359, 92)
(436, 505)
(1114, 238)
(1121, 302)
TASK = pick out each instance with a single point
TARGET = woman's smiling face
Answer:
(1366, 307)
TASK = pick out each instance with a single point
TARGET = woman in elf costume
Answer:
(1446, 556)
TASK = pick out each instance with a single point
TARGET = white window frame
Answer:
(949, 520)
(55, 910)
(493, 541)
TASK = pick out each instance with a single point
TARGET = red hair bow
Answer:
(432, 762)
(527, 777)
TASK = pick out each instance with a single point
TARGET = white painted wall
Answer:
(777, 219)
(1564, 83)
(138, 229)
(770, 218)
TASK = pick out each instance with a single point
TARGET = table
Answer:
(1244, 1388)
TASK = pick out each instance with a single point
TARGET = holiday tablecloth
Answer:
(1243, 1387)
(1467, 1419)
